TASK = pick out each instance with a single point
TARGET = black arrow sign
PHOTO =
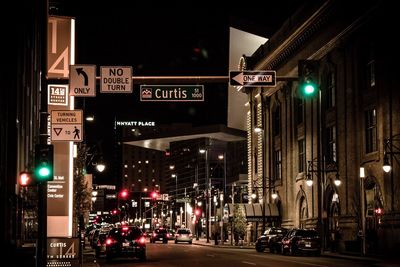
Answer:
(84, 74)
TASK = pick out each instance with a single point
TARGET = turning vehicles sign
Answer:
(66, 125)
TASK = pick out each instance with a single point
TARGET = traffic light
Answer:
(44, 163)
(25, 179)
(123, 194)
(154, 195)
(308, 78)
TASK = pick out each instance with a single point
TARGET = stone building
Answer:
(351, 122)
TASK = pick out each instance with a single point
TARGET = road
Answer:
(177, 255)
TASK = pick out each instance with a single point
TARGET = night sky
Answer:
(159, 38)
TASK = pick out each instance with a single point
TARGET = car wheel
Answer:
(271, 249)
(176, 242)
(292, 250)
(259, 248)
(190, 242)
(142, 256)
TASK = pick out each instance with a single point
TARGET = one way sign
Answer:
(252, 78)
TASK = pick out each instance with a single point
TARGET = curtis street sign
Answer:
(252, 78)
(171, 93)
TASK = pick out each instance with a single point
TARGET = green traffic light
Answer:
(309, 89)
(44, 172)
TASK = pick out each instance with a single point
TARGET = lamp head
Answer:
(337, 180)
(386, 164)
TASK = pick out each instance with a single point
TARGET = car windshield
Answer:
(183, 231)
(307, 233)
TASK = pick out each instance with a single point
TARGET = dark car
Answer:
(160, 234)
(301, 241)
(126, 241)
(271, 239)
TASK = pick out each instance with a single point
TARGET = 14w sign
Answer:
(252, 78)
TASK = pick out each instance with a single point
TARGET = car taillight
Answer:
(141, 240)
(109, 241)
(190, 235)
(167, 235)
(154, 234)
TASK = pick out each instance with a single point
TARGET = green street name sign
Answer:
(172, 93)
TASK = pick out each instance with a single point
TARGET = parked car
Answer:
(271, 239)
(301, 241)
(171, 234)
(160, 234)
(100, 248)
(183, 235)
(126, 241)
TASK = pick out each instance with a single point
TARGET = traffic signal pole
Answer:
(41, 248)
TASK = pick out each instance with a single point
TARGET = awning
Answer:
(254, 212)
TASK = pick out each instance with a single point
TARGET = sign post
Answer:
(252, 78)
(116, 79)
(82, 80)
(66, 125)
(177, 93)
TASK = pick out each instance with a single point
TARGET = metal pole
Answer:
(208, 200)
(233, 207)
(362, 192)
(221, 197)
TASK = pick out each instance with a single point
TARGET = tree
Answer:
(239, 222)
(82, 197)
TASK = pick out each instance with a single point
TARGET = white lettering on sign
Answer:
(116, 80)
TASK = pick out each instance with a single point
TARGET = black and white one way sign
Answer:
(252, 78)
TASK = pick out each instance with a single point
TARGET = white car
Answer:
(183, 235)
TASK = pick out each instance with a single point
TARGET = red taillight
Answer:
(167, 235)
(141, 240)
(125, 228)
(154, 234)
(109, 241)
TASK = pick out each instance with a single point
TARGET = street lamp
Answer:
(321, 167)
(208, 195)
(391, 147)
(174, 175)
(362, 196)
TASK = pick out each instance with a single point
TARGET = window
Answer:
(370, 131)
(302, 155)
(299, 110)
(277, 165)
(371, 73)
(331, 90)
(276, 119)
(331, 146)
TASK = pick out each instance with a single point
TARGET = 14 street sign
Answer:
(252, 78)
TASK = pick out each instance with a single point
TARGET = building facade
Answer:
(352, 122)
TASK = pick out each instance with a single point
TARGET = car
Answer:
(171, 234)
(183, 235)
(271, 239)
(100, 248)
(126, 241)
(160, 234)
(301, 241)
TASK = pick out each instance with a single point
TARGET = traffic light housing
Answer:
(44, 163)
(308, 72)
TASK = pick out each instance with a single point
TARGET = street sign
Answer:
(252, 78)
(57, 94)
(183, 200)
(172, 93)
(82, 80)
(66, 125)
(116, 79)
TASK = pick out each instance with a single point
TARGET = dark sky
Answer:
(162, 38)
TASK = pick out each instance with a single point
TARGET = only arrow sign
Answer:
(80, 71)
(252, 78)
